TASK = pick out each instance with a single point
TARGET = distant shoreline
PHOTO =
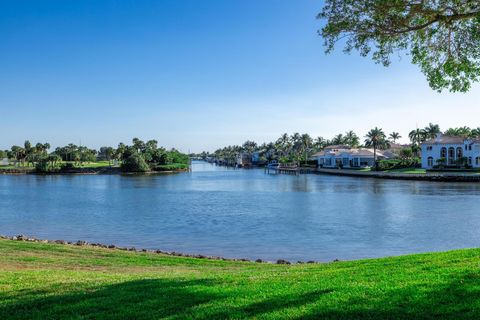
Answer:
(83, 171)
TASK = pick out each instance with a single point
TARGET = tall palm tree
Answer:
(283, 144)
(394, 136)
(306, 144)
(432, 131)
(417, 136)
(296, 143)
(352, 139)
(376, 138)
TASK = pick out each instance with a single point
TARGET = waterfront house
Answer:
(451, 152)
(256, 158)
(347, 157)
(244, 160)
(4, 162)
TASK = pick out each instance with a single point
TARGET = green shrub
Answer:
(41, 167)
(399, 164)
(135, 163)
(45, 166)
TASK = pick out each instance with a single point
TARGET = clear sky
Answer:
(197, 75)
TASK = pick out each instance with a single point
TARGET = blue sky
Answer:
(197, 75)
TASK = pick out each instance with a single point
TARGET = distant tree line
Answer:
(298, 148)
(138, 157)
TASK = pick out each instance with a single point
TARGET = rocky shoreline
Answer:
(82, 243)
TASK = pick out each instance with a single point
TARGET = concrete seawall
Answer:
(429, 176)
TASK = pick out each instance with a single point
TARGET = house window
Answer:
(477, 161)
(459, 153)
(451, 155)
(430, 161)
(470, 148)
(469, 161)
(443, 153)
(356, 162)
(429, 148)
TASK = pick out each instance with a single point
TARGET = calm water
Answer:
(245, 213)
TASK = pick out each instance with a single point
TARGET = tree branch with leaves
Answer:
(442, 36)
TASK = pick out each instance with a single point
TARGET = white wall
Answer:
(436, 149)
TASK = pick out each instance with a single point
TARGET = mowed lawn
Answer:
(46, 281)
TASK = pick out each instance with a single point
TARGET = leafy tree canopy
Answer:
(442, 36)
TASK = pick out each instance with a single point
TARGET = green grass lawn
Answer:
(96, 164)
(46, 281)
(409, 171)
(8, 167)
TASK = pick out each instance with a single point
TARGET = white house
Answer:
(4, 162)
(451, 151)
(346, 157)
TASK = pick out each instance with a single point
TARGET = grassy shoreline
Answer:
(40, 281)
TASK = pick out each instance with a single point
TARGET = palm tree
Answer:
(249, 146)
(19, 153)
(376, 138)
(283, 144)
(138, 144)
(306, 144)
(463, 132)
(296, 143)
(475, 133)
(338, 139)
(394, 136)
(417, 136)
(352, 139)
(432, 131)
(320, 143)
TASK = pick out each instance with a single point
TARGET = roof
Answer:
(338, 147)
(444, 139)
(397, 146)
(351, 152)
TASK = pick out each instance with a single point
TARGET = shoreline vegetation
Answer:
(140, 157)
(297, 149)
(53, 281)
